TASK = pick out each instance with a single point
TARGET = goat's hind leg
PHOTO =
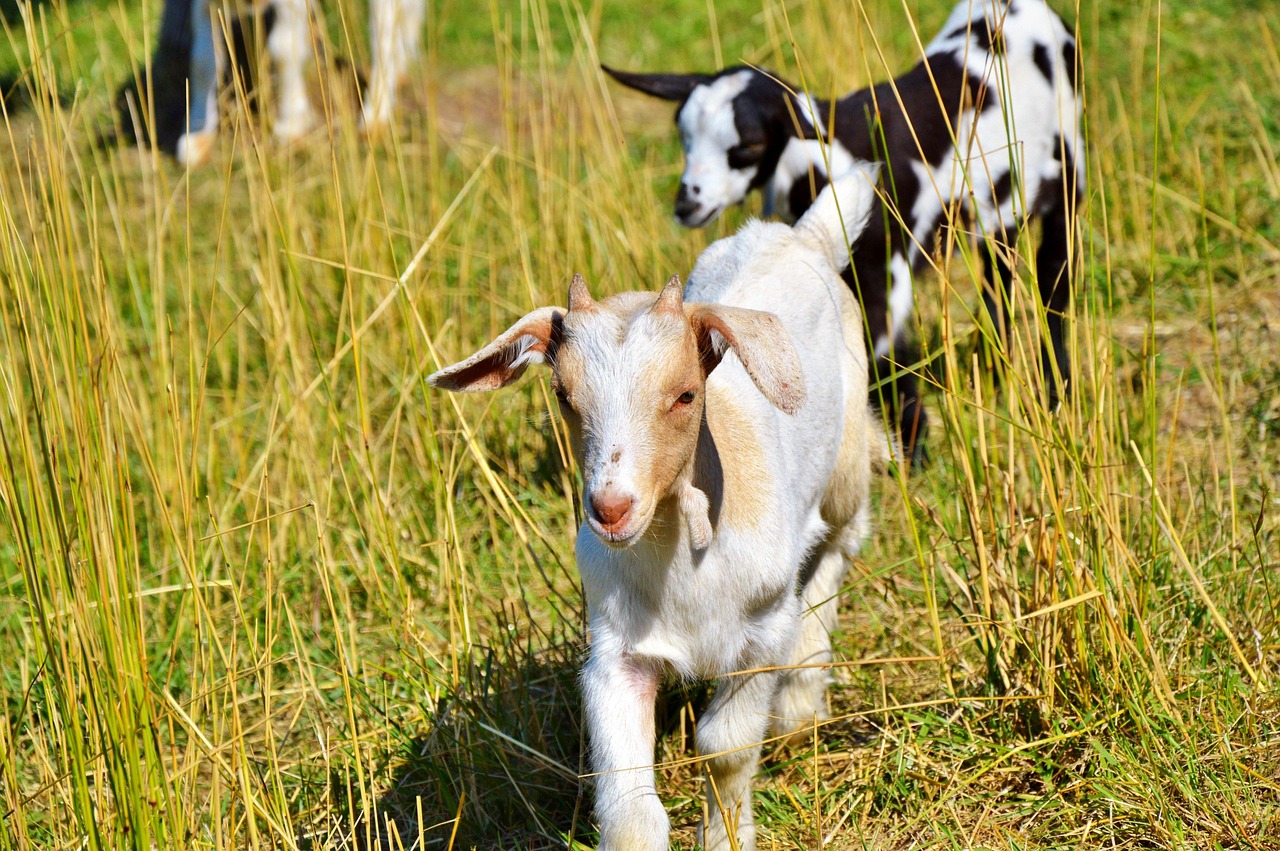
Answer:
(1054, 278)
(195, 146)
(895, 388)
(996, 289)
(730, 735)
(291, 48)
(801, 698)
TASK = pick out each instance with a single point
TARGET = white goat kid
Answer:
(725, 477)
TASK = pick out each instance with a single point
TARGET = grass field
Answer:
(260, 587)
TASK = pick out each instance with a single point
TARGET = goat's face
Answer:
(630, 374)
(733, 126)
(630, 384)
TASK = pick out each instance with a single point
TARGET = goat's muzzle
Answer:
(691, 212)
(612, 513)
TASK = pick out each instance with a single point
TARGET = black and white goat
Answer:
(989, 120)
(191, 64)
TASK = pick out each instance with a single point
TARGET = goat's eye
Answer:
(745, 156)
(561, 396)
(683, 400)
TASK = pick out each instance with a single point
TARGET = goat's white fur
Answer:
(788, 481)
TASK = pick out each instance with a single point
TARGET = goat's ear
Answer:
(665, 86)
(839, 214)
(534, 339)
(761, 344)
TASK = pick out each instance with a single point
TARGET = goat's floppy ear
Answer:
(534, 339)
(840, 212)
(665, 86)
(761, 344)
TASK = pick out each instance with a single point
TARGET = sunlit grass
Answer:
(259, 587)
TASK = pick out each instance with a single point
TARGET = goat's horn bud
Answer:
(672, 296)
(579, 298)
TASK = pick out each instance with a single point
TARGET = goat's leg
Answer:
(730, 735)
(395, 28)
(195, 146)
(291, 48)
(1054, 279)
(894, 390)
(996, 289)
(802, 689)
(618, 696)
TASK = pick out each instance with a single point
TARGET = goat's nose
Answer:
(685, 203)
(611, 509)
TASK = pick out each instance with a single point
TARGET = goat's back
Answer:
(1023, 57)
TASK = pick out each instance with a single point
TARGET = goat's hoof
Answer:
(291, 128)
(195, 149)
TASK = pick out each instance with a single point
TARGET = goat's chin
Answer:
(698, 218)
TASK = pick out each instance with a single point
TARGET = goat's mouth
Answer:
(622, 535)
(696, 218)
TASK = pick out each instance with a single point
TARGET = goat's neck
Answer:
(824, 137)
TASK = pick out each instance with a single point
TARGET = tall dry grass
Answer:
(260, 588)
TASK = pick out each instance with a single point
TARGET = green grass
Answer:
(261, 588)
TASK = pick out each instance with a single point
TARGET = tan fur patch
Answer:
(675, 433)
(737, 482)
(850, 481)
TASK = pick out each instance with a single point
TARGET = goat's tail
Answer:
(840, 212)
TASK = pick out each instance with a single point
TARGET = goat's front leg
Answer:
(1053, 272)
(618, 694)
(290, 47)
(730, 735)
(996, 294)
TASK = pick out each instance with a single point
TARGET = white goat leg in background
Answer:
(395, 28)
(291, 48)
